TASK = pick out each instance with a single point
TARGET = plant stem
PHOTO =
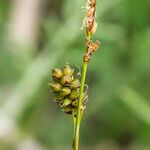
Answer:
(79, 110)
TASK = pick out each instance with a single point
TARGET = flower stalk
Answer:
(79, 109)
(91, 25)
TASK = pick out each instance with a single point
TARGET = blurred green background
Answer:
(36, 35)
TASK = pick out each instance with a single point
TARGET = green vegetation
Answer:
(117, 114)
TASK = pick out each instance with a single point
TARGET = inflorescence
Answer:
(91, 26)
(65, 87)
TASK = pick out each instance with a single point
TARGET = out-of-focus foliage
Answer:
(118, 111)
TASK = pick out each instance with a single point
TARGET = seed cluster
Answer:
(66, 89)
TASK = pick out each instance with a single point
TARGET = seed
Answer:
(56, 73)
(74, 103)
(68, 70)
(59, 97)
(74, 94)
(65, 91)
(66, 79)
(56, 87)
(75, 84)
(67, 110)
(65, 102)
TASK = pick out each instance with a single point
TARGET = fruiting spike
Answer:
(66, 89)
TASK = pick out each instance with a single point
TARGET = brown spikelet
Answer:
(91, 26)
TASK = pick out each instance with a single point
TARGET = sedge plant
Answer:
(69, 90)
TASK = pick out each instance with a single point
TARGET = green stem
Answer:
(79, 110)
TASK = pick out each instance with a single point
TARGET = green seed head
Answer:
(68, 70)
(75, 84)
(66, 79)
(74, 94)
(56, 87)
(56, 73)
(65, 102)
(65, 91)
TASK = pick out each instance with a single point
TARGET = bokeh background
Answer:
(36, 35)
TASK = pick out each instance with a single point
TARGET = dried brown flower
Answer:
(90, 21)
(91, 47)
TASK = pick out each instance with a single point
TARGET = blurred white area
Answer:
(7, 127)
(29, 143)
(22, 28)
(9, 132)
(107, 145)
